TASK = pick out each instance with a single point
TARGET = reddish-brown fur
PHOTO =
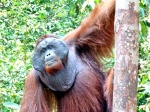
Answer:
(92, 40)
(108, 88)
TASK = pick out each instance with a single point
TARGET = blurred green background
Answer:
(23, 21)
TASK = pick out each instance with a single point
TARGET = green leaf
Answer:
(147, 2)
(11, 105)
(97, 1)
(142, 14)
(143, 28)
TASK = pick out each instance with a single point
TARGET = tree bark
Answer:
(126, 56)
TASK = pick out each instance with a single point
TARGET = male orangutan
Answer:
(67, 73)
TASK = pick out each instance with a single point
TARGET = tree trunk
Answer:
(126, 56)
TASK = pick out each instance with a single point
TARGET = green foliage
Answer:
(22, 22)
(144, 61)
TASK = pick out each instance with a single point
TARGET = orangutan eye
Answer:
(49, 46)
(43, 50)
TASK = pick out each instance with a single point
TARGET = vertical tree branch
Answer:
(126, 56)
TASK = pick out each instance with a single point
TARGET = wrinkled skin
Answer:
(51, 59)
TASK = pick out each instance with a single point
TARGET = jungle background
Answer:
(23, 21)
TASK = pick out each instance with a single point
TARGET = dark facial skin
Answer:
(51, 60)
(51, 53)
